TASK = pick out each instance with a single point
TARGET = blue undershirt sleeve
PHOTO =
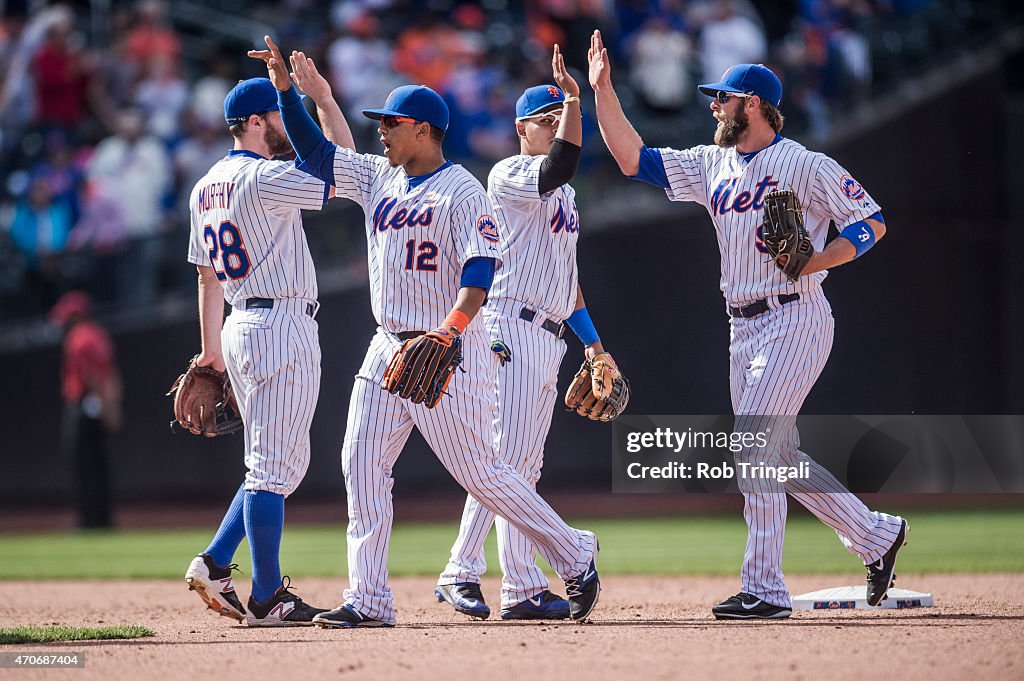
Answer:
(315, 152)
(478, 273)
(652, 168)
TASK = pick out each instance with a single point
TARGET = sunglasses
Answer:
(722, 96)
(393, 121)
(545, 119)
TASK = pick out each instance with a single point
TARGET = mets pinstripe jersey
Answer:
(420, 232)
(732, 187)
(766, 376)
(246, 224)
(539, 235)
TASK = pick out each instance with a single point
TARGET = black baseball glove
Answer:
(784, 234)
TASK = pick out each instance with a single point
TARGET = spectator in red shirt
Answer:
(91, 388)
(62, 83)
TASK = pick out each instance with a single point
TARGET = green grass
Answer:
(62, 633)
(954, 541)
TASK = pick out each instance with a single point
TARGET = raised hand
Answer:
(600, 66)
(308, 78)
(277, 71)
(561, 75)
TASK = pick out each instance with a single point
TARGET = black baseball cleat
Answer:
(465, 597)
(215, 586)
(346, 617)
(744, 606)
(283, 609)
(582, 592)
(881, 574)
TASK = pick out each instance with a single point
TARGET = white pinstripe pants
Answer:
(273, 360)
(527, 390)
(775, 358)
(460, 430)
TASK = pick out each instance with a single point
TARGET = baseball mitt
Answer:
(784, 234)
(421, 369)
(598, 391)
(204, 403)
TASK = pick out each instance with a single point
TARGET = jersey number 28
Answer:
(227, 252)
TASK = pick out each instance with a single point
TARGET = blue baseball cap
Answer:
(253, 96)
(536, 99)
(414, 101)
(750, 79)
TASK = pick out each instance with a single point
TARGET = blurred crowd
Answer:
(106, 125)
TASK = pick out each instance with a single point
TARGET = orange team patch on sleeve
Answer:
(488, 228)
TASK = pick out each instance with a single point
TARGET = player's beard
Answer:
(277, 142)
(728, 132)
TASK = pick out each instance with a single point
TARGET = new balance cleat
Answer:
(284, 609)
(215, 586)
(582, 592)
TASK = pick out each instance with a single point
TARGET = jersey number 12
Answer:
(424, 262)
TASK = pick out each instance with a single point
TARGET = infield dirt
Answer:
(644, 628)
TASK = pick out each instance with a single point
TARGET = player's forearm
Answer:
(619, 136)
(570, 127)
(335, 125)
(840, 251)
(469, 301)
(583, 326)
(211, 317)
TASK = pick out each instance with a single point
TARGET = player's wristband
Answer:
(583, 326)
(860, 235)
(570, 100)
(458, 319)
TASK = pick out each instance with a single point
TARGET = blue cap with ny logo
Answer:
(536, 99)
(748, 79)
(415, 101)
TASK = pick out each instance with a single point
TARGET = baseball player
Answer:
(534, 296)
(781, 330)
(433, 247)
(248, 245)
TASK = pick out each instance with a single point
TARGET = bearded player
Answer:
(780, 321)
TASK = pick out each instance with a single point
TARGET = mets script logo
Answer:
(488, 228)
(560, 221)
(725, 198)
(851, 188)
(420, 214)
(553, 91)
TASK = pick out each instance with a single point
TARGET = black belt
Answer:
(549, 325)
(761, 306)
(268, 303)
(409, 335)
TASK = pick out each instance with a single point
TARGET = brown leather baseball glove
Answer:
(204, 403)
(421, 369)
(598, 391)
